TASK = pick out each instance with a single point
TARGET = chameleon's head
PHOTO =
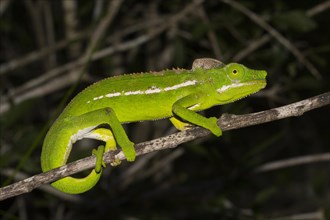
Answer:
(239, 81)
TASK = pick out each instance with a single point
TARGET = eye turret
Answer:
(235, 71)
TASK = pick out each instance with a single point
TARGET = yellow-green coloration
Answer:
(99, 111)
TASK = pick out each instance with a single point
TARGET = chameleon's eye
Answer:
(235, 71)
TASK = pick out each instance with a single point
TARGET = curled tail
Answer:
(73, 185)
(70, 185)
(55, 152)
(68, 129)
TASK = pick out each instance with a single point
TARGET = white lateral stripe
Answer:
(184, 84)
(96, 98)
(138, 92)
(113, 94)
(194, 106)
(79, 135)
(152, 90)
(226, 87)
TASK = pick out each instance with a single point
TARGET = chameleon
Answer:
(100, 110)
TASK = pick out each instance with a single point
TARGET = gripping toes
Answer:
(129, 151)
(99, 158)
(214, 128)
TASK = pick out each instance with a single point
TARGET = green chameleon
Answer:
(99, 111)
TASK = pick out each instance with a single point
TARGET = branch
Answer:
(226, 122)
(43, 85)
(276, 34)
(323, 157)
(257, 43)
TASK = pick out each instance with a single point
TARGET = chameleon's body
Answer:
(174, 94)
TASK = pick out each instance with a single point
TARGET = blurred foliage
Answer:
(295, 21)
(212, 178)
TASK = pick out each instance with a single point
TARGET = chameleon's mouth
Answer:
(236, 91)
(251, 85)
(259, 83)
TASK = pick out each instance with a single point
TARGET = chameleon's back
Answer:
(150, 96)
(137, 97)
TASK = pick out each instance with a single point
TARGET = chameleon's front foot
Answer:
(214, 128)
(129, 151)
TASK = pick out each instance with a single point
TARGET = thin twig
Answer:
(38, 54)
(277, 35)
(252, 46)
(50, 74)
(49, 32)
(267, 37)
(33, 56)
(323, 6)
(18, 176)
(100, 31)
(71, 24)
(95, 39)
(46, 88)
(226, 122)
(211, 34)
(317, 215)
(63, 81)
(275, 165)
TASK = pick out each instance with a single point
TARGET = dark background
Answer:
(212, 178)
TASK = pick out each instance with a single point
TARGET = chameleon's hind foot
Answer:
(99, 158)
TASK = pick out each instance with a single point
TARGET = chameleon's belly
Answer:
(146, 110)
